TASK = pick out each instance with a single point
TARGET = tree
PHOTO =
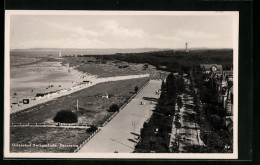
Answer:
(65, 116)
(177, 124)
(180, 85)
(136, 89)
(216, 121)
(114, 108)
(179, 102)
(171, 86)
(163, 86)
(215, 141)
(145, 66)
(92, 128)
(177, 117)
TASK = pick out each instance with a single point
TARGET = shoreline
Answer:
(56, 87)
(74, 89)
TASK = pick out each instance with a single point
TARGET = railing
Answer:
(110, 118)
(122, 107)
(51, 124)
(85, 141)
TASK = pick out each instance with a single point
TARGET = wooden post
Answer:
(133, 125)
(77, 105)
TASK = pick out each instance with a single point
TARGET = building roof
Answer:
(40, 94)
(209, 66)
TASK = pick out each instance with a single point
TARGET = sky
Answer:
(121, 31)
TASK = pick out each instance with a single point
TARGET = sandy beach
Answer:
(52, 79)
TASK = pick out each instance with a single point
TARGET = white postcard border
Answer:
(7, 154)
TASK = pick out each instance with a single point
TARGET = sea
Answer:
(29, 75)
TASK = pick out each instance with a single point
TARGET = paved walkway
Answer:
(122, 132)
(94, 81)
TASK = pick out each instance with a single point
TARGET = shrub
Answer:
(179, 102)
(177, 124)
(177, 117)
(136, 88)
(92, 128)
(65, 116)
(114, 108)
(215, 141)
(145, 125)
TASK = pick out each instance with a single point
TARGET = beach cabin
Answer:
(62, 91)
(26, 101)
(105, 96)
(87, 82)
(53, 93)
(40, 96)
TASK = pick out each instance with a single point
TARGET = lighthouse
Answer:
(60, 54)
(186, 47)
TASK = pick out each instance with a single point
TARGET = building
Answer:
(208, 68)
(228, 101)
(229, 123)
(87, 82)
(222, 81)
(40, 96)
(228, 74)
(105, 95)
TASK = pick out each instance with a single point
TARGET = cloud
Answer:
(194, 34)
(170, 37)
(109, 24)
(112, 27)
(74, 30)
(115, 32)
(83, 32)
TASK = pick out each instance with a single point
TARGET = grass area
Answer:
(92, 107)
(56, 138)
(106, 68)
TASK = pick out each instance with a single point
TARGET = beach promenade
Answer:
(71, 90)
(122, 133)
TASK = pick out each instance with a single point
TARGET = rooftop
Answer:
(209, 66)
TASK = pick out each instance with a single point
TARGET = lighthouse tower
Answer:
(186, 47)
(60, 54)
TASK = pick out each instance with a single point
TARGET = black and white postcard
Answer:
(121, 84)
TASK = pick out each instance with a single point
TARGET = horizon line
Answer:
(123, 48)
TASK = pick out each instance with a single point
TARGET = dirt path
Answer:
(121, 134)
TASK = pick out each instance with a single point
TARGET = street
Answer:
(189, 130)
